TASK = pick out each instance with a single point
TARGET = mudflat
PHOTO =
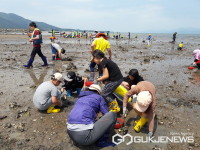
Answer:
(177, 91)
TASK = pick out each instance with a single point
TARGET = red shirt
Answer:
(37, 32)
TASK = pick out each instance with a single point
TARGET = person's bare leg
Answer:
(137, 112)
(59, 54)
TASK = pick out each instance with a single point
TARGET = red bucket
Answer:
(88, 83)
(119, 123)
(190, 68)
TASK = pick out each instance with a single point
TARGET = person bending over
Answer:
(57, 50)
(82, 126)
(133, 78)
(196, 54)
(72, 83)
(144, 104)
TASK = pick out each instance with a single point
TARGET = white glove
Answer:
(194, 63)
(150, 134)
(125, 111)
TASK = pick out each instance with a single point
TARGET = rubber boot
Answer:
(69, 93)
(103, 141)
(29, 63)
(113, 106)
(140, 124)
(91, 76)
(53, 58)
(120, 90)
(45, 61)
(51, 109)
(78, 90)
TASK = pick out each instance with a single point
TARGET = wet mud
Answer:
(23, 127)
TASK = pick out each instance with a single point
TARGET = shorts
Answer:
(54, 51)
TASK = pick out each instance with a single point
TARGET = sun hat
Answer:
(144, 99)
(95, 87)
(102, 34)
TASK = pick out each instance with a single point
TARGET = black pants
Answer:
(88, 137)
(198, 65)
(36, 50)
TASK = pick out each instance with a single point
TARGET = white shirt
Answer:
(56, 46)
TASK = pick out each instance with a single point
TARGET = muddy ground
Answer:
(23, 127)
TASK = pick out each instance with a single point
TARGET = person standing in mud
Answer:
(36, 38)
(149, 39)
(100, 43)
(129, 35)
(174, 37)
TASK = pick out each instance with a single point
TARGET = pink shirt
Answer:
(196, 54)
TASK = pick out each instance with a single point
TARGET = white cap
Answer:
(95, 87)
(58, 76)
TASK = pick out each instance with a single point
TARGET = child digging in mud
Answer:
(73, 82)
(144, 105)
(57, 50)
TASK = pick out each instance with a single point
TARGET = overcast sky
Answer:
(113, 15)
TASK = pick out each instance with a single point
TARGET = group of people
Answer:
(83, 125)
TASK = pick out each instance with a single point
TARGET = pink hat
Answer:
(144, 99)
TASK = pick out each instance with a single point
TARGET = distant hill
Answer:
(13, 21)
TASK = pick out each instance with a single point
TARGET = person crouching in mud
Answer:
(47, 95)
(82, 127)
(72, 83)
(133, 78)
(143, 104)
(196, 54)
(112, 78)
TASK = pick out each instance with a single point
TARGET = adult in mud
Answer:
(174, 37)
(82, 127)
(143, 104)
(149, 39)
(133, 78)
(47, 95)
(196, 54)
(100, 43)
(112, 78)
(36, 38)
